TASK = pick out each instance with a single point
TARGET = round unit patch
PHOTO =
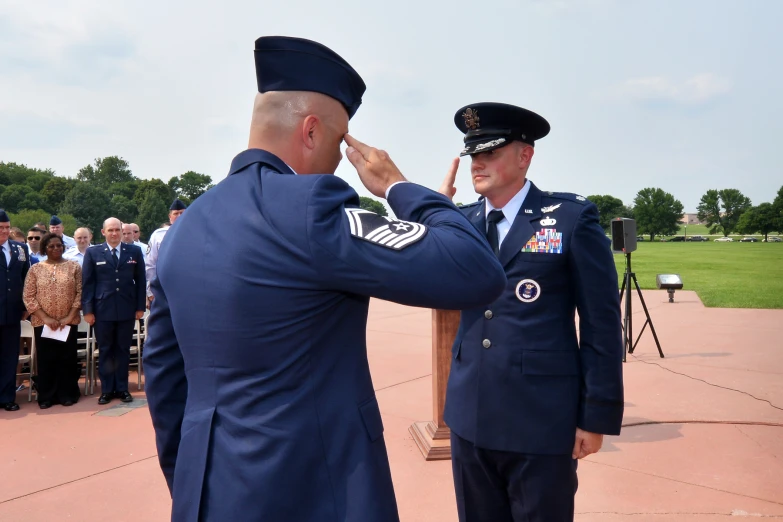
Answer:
(528, 290)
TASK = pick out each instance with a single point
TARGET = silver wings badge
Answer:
(547, 210)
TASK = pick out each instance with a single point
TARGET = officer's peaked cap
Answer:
(490, 125)
(294, 64)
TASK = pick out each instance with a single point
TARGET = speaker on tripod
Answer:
(624, 242)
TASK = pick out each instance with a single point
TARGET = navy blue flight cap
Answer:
(295, 64)
(490, 125)
(55, 221)
(4, 217)
(177, 205)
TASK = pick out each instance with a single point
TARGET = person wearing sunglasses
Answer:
(34, 236)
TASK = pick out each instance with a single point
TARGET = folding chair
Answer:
(27, 332)
(139, 335)
(84, 350)
(93, 359)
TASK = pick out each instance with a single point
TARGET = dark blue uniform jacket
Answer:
(521, 377)
(11, 306)
(113, 291)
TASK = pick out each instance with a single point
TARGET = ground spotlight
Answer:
(669, 282)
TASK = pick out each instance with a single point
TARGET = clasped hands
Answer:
(59, 324)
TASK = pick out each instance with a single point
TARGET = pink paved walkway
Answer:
(715, 451)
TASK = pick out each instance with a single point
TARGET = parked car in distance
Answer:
(674, 239)
(724, 240)
(748, 240)
(696, 238)
(773, 240)
(639, 238)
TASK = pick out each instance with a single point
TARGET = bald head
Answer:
(112, 231)
(127, 233)
(304, 129)
(82, 236)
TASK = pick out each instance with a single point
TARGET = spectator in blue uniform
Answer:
(112, 301)
(526, 396)
(257, 375)
(14, 262)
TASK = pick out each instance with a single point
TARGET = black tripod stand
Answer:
(625, 292)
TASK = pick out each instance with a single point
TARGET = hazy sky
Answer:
(678, 94)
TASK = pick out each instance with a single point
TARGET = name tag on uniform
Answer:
(101, 263)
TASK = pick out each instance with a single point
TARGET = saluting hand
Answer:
(447, 188)
(586, 443)
(376, 169)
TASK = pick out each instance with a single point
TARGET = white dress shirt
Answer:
(73, 254)
(510, 211)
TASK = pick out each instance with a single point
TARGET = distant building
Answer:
(691, 219)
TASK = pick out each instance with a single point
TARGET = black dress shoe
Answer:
(45, 405)
(124, 396)
(105, 398)
(10, 406)
(67, 402)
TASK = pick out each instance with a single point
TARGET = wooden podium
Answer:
(433, 437)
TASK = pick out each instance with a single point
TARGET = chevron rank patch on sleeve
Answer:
(384, 231)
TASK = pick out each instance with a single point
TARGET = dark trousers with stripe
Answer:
(9, 359)
(114, 341)
(503, 486)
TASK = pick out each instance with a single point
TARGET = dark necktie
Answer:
(114, 255)
(493, 218)
(3, 262)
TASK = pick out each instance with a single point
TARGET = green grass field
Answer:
(726, 275)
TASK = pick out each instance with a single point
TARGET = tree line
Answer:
(658, 213)
(99, 190)
(108, 188)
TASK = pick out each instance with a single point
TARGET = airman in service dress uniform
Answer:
(14, 262)
(526, 396)
(257, 374)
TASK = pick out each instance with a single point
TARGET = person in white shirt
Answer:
(127, 233)
(34, 236)
(137, 239)
(151, 259)
(56, 227)
(83, 238)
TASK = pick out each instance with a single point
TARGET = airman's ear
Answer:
(309, 131)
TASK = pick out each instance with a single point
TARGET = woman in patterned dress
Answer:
(52, 294)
